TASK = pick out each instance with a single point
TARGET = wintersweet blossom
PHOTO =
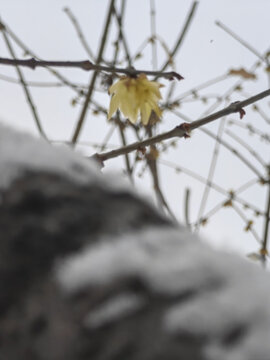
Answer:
(134, 97)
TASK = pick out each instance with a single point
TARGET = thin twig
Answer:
(228, 93)
(242, 215)
(140, 49)
(182, 34)
(224, 143)
(245, 186)
(211, 169)
(28, 51)
(203, 220)
(214, 186)
(32, 83)
(192, 174)
(151, 161)
(92, 144)
(262, 113)
(264, 251)
(221, 206)
(241, 41)
(124, 143)
(186, 202)
(121, 35)
(94, 77)
(79, 32)
(251, 129)
(107, 137)
(247, 147)
(25, 88)
(177, 46)
(153, 33)
(201, 86)
(235, 152)
(121, 39)
(152, 166)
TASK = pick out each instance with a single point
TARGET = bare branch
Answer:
(186, 203)
(183, 129)
(214, 186)
(241, 41)
(153, 33)
(79, 32)
(25, 88)
(87, 66)
(264, 250)
(247, 147)
(182, 34)
(30, 52)
(92, 82)
(153, 168)
(211, 170)
(121, 36)
(124, 142)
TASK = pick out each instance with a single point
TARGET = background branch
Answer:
(25, 87)
(94, 76)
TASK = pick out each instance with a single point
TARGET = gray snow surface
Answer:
(230, 293)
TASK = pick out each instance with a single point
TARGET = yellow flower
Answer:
(134, 97)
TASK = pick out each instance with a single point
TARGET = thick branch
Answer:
(182, 130)
(87, 66)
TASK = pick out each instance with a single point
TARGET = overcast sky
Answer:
(207, 52)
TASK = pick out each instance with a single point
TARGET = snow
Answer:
(114, 309)
(20, 152)
(226, 293)
(169, 260)
(229, 293)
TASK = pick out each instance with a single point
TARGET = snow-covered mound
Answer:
(89, 270)
(21, 152)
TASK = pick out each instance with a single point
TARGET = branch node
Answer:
(186, 128)
(87, 65)
(235, 106)
(176, 75)
(98, 159)
(32, 63)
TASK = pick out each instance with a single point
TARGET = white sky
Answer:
(207, 52)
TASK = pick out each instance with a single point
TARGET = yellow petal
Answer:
(127, 98)
(152, 87)
(135, 96)
(117, 86)
(145, 113)
(113, 106)
(128, 109)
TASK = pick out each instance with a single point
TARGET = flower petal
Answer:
(145, 113)
(114, 105)
(135, 96)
